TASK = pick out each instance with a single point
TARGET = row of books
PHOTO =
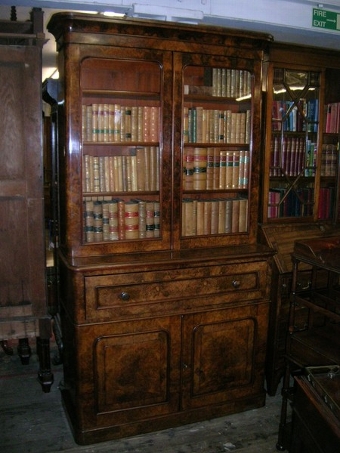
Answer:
(214, 216)
(333, 118)
(295, 155)
(290, 155)
(231, 82)
(214, 168)
(327, 196)
(120, 123)
(202, 125)
(329, 160)
(135, 172)
(114, 219)
(223, 82)
(283, 203)
(295, 117)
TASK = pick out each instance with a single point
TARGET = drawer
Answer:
(110, 297)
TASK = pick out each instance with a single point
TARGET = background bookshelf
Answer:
(300, 179)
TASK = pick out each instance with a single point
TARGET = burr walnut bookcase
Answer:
(164, 289)
(23, 305)
(300, 184)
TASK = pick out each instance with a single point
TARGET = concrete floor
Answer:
(33, 421)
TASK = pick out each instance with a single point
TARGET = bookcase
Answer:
(301, 159)
(164, 288)
(300, 184)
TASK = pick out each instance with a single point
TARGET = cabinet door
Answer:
(330, 162)
(118, 167)
(223, 355)
(133, 371)
(218, 139)
(293, 148)
(22, 251)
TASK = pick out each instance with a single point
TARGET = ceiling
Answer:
(292, 21)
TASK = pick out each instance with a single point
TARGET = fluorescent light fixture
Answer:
(88, 12)
(168, 13)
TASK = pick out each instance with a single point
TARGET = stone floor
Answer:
(33, 421)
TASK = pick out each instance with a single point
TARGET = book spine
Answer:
(131, 220)
(150, 221)
(113, 220)
(236, 169)
(200, 169)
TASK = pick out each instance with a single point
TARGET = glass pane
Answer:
(293, 152)
(216, 133)
(121, 149)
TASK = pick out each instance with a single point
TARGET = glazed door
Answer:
(118, 159)
(216, 146)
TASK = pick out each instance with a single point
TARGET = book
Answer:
(187, 217)
(243, 216)
(131, 220)
(150, 219)
(157, 217)
(141, 169)
(94, 125)
(216, 168)
(210, 169)
(229, 170)
(200, 168)
(222, 169)
(188, 168)
(235, 215)
(113, 220)
(214, 217)
(235, 169)
(221, 216)
(200, 217)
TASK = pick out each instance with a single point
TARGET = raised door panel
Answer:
(133, 373)
(222, 354)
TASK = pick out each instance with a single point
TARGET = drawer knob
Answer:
(236, 283)
(124, 296)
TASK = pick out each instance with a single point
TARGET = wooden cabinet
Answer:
(281, 237)
(316, 426)
(23, 306)
(300, 184)
(164, 303)
(157, 341)
(316, 343)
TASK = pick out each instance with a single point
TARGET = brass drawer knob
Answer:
(124, 296)
(236, 283)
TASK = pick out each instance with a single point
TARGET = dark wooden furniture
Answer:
(295, 181)
(317, 342)
(23, 306)
(316, 416)
(168, 324)
(281, 238)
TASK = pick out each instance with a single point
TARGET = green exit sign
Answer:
(326, 19)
